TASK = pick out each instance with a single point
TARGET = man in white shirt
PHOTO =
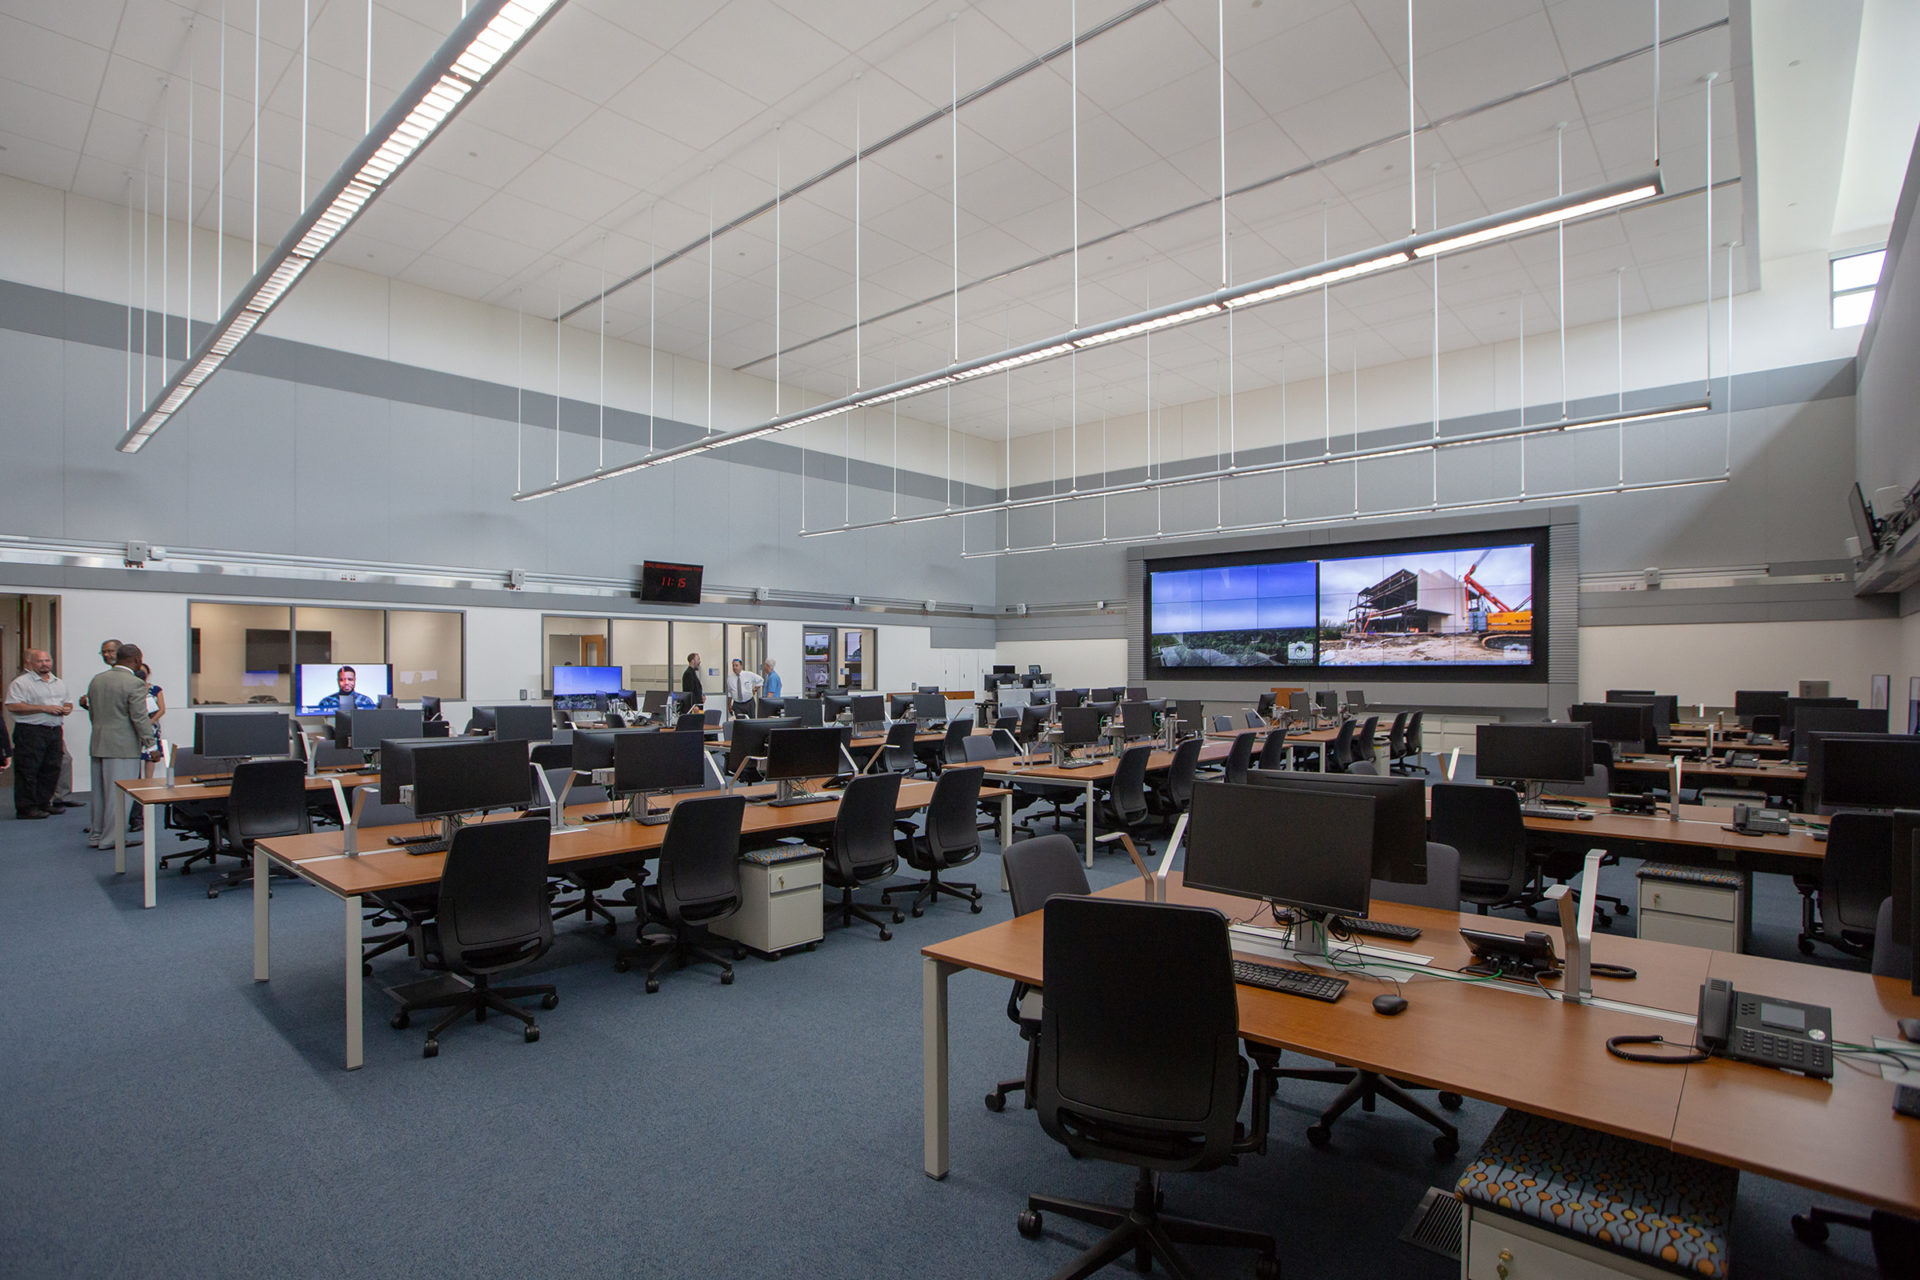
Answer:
(37, 699)
(742, 684)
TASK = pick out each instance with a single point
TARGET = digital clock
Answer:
(662, 583)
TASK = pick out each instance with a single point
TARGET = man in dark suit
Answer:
(690, 678)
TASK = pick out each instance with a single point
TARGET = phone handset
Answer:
(1716, 1015)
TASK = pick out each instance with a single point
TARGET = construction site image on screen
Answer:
(1471, 607)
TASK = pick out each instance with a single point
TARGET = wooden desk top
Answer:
(1697, 743)
(160, 791)
(1839, 1136)
(1010, 766)
(1700, 826)
(1695, 768)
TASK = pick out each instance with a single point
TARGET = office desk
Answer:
(1090, 777)
(320, 857)
(1840, 1137)
(153, 794)
(1700, 838)
(1786, 775)
(1685, 742)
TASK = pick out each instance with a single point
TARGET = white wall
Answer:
(1074, 664)
(1707, 662)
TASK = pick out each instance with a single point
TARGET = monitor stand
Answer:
(637, 810)
(787, 792)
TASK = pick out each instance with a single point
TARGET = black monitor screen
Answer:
(803, 753)
(396, 762)
(657, 761)
(653, 701)
(898, 704)
(1329, 701)
(1064, 698)
(471, 776)
(869, 709)
(1399, 816)
(1079, 726)
(749, 738)
(1533, 752)
(1666, 706)
(1748, 703)
(363, 730)
(1811, 720)
(530, 722)
(430, 706)
(232, 734)
(594, 748)
(1614, 695)
(1307, 849)
(1264, 705)
(1865, 771)
(1032, 720)
(1136, 719)
(930, 706)
(808, 711)
(572, 680)
(1630, 722)
(1003, 669)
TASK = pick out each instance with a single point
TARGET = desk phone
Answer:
(1766, 1029)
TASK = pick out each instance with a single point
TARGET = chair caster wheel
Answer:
(1806, 946)
(1319, 1135)
(976, 908)
(1446, 1148)
(653, 985)
(215, 893)
(886, 935)
(1451, 1101)
(1533, 913)
(621, 964)
(550, 1001)
(1621, 910)
(431, 1049)
(366, 970)
(480, 1014)
(739, 953)
(1267, 1269)
(917, 913)
(531, 1034)
(400, 1021)
(726, 979)
(996, 1102)
(1030, 1224)
(1806, 1230)
(898, 918)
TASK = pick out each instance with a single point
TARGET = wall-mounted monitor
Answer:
(665, 583)
(322, 688)
(1422, 608)
(574, 680)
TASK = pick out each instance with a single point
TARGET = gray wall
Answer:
(1888, 446)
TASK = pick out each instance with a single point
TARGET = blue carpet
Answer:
(166, 1116)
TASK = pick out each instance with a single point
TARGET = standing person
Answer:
(63, 794)
(742, 684)
(6, 744)
(769, 680)
(122, 737)
(690, 678)
(156, 709)
(39, 704)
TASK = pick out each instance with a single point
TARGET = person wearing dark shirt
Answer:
(346, 697)
(690, 678)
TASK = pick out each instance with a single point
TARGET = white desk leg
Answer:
(119, 839)
(1088, 856)
(1006, 834)
(353, 983)
(1326, 749)
(933, 1072)
(261, 924)
(149, 820)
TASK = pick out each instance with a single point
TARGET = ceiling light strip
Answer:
(482, 42)
(1521, 221)
(1430, 446)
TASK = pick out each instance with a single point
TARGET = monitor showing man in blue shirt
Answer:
(346, 696)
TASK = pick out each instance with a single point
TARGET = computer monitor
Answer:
(1012, 699)
(1399, 815)
(1748, 703)
(1190, 714)
(1079, 726)
(388, 703)
(396, 763)
(898, 704)
(1808, 721)
(1136, 693)
(654, 702)
(1309, 850)
(1004, 669)
(793, 754)
(836, 703)
(430, 706)
(1533, 753)
(1136, 719)
(644, 763)
(1795, 705)
(520, 721)
(1064, 698)
(572, 680)
(363, 730)
(1028, 681)
(1614, 695)
(1033, 720)
(868, 708)
(1666, 706)
(594, 748)
(1329, 701)
(471, 776)
(319, 688)
(1864, 771)
(1264, 705)
(1356, 699)
(1105, 708)
(810, 712)
(1033, 668)
(1630, 723)
(1300, 703)
(929, 707)
(481, 718)
(749, 739)
(236, 735)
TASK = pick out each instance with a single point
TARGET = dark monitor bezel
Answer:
(640, 759)
(802, 752)
(499, 767)
(1258, 813)
(259, 736)
(1506, 738)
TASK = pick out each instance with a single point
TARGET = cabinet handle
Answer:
(1506, 1256)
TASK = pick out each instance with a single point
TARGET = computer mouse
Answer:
(1389, 1005)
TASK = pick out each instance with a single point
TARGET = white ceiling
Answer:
(624, 131)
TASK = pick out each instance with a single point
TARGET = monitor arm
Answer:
(1576, 930)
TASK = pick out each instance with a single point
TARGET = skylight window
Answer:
(1854, 277)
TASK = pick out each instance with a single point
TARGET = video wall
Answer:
(1422, 607)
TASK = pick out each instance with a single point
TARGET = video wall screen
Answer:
(1420, 607)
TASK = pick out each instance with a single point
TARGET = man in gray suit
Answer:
(122, 735)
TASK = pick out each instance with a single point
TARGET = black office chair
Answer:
(978, 749)
(1172, 792)
(1254, 720)
(953, 748)
(861, 850)
(1141, 1071)
(196, 819)
(1223, 724)
(1440, 890)
(1273, 751)
(1855, 876)
(1483, 822)
(404, 907)
(269, 798)
(591, 879)
(1037, 869)
(491, 918)
(900, 757)
(1397, 741)
(1364, 768)
(1416, 746)
(698, 882)
(1123, 806)
(1341, 748)
(1239, 758)
(948, 838)
(1896, 1239)
(1558, 861)
(696, 721)
(1363, 741)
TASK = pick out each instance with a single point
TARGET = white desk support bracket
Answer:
(167, 751)
(349, 816)
(556, 805)
(310, 743)
(1673, 791)
(1453, 762)
(1576, 930)
(1126, 842)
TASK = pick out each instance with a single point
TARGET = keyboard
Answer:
(1079, 763)
(790, 801)
(435, 845)
(405, 841)
(1293, 982)
(1379, 929)
(1565, 813)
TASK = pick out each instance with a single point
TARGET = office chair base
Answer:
(590, 906)
(1143, 1232)
(848, 910)
(1365, 1087)
(461, 997)
(997, 1100)
(1896, 1240)
(680, 950)
(929, 890)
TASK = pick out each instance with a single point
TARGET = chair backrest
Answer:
(952, 828)
(1132, 1067)
(899, 746)
(1040, 868)
(552, 755)
(700, 858)
(1254, 720)
(977, 748)
(1414, 743)
(862, 845)
(1127, 792)
(1440, 890)
(1363, 741)
(1186, 760)
(694, 720)
(1004, 743)
(1397, 737)
(958, 731)
(1857, 873)
(1483, 822)
(375, 814)
(1240, 756)
(1222, 724)
(493, 911)
(269, 798)
(1273, 752)
(1342, 748)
